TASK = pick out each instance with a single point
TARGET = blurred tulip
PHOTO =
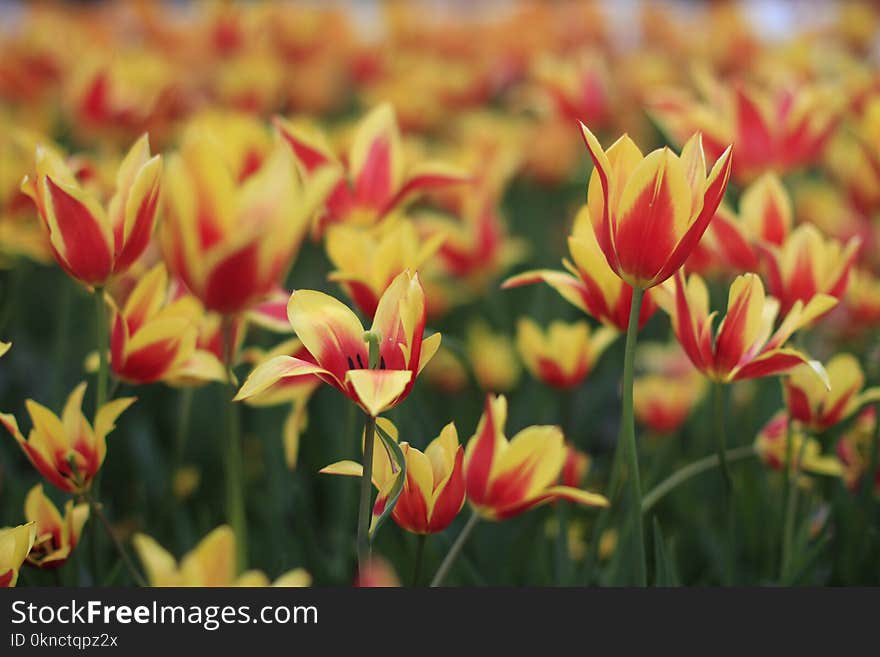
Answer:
(92, 242)
(820, 408)
(855, 447)
(863, 299)
(669, 390)
(493, 358)
(68, 451)
(15, 544)
(505, 478)
(771, 446)
(57, 536)
(563, 355)
(433, 492)
(367, 260)
(807, 265)
(211, 563)
(378, 574)
(589, 284)
(576, 467)
(378, 179)
(744, 346)
(649, 212)
(230, 243)
(339, 354)
(446, 371)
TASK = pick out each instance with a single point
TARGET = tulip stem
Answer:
(455, 550)
(235, 508)
(95, 508)
(628, 437)
(103, 347)
(363, 526)
(691, 470)
(420, 554)
(788, 523)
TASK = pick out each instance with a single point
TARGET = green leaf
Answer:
(664, 566)
(399, 463)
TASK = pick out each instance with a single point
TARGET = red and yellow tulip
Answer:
(211, 563)
(819, 408)
(669, 390)
(339, 354)
(863, 299)
(589, 284)
(91, 241)
(649, 212)
(493, 358)
(378, 178)
(770, 444)
(57, 536)
(15, 544)
(68, 451)
(505, 478)
(229, 242)
(576, 467)
(854, 450)
(434, 490)
(564, 354)
(744, 345)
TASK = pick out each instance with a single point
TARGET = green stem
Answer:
(788, 524)
(691, 470)
(628, 438)
(103, 348)
(454, 551)
(363, 526)
(235, 507)
(95, 509)
(420, 555)
(563, 559)
(721, 434)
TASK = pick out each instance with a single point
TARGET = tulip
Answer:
(563, 355)
(154, 339)
(863, 299)
(744, 345)
(854, 450)
(804, 454)
(378, 178)
(92, 242)
(590, 284)
(57, 536)
(505, 478)
(820, 408)
(15, 544)
(367, 260)
(231, 243)
(807, 265)
(577, 465)
(211, 563)
(433, 492)
(492, 357)
(766, 210)
(649, 212)
(377, 573)
(68, 451)
(666, 395)
(339, 355)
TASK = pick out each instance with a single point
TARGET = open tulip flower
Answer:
(154, 338)
(563, 355)
(770, 444)
(433, 492)
(15, 544)
(68, 451)
(57, 536)
(340, 355)
(745, 345)
(229, 242)
(505, 478)
(368, 259)
(92, 242)
(649, 212)
(819, 408)
(807, 264)
(589, 284)
(378, 178)
(211, 563)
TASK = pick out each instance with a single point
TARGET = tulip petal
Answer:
(268, 374)
(378, 390)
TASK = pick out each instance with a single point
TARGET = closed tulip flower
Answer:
(339, 354)
(669, 389)
(565, 354)
(68, 450)
(649, 212)
(15, 544)
(505, 478)
(433, 492)
(819, 408)
(90, 241)
(57, 535)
